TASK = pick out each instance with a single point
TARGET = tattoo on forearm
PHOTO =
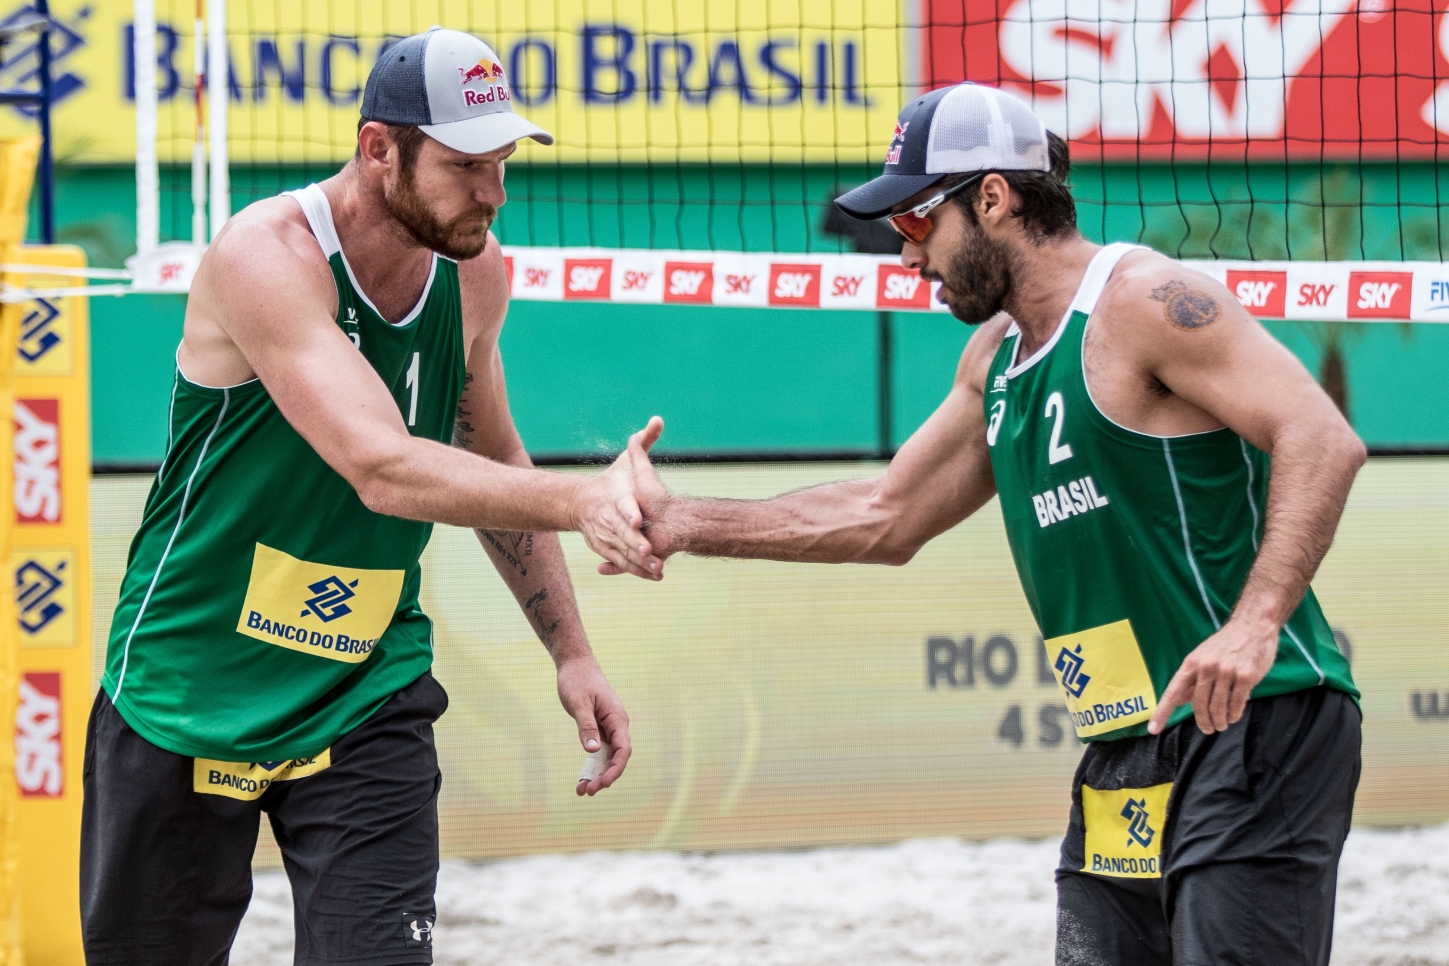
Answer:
(546, 626)
(514, 546)
(1184, 307)
(462, 429)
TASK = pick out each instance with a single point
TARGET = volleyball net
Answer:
(699, 141)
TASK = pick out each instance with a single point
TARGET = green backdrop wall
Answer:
(581, 377)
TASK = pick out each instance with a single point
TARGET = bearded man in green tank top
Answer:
(1125, 410)
(268, 653)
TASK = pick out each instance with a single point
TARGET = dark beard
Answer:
(462, 238)
(977, 277)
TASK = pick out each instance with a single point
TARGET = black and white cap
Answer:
(452, 86)
(955, 130)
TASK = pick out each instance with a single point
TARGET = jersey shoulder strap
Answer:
(1099, 270)
(319, 217)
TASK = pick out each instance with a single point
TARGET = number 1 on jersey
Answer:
(1057, 451)
(412, 384)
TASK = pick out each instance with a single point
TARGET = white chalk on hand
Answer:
(597, 761)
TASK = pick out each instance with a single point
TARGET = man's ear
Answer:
(374, 144)
(993, 200)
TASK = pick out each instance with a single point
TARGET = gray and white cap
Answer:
(961, 129)
(452, 86)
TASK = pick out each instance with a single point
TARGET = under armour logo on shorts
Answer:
(417, 930)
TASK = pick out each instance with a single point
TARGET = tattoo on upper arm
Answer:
(514, 546)
(534, 608)
(1184, 307)
(462, 429)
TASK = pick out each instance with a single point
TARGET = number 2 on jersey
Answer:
(1057, 451)
(412, 383)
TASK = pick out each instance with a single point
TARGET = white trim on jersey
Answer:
(318, 211)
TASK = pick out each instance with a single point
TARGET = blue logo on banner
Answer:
(37, 332)
(35, 589)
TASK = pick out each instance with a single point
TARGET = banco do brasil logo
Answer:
(1070, 664)
(1135, 811)
(330, 598)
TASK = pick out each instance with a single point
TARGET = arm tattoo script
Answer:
(546, 627)
(513, 546)
(462, 429)
(1184, 307)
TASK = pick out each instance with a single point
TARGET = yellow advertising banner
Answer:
(50, 561)
(783, 705)
(626, 80)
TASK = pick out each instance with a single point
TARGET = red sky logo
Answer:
(1263, 294)
(794, 285)
(897, 286)
(587, 278)
(688, 281)
(37, 461)
(39, 769)
(1379, 295)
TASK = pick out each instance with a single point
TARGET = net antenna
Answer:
(169, 266)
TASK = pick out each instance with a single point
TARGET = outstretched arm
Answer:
(940, 476)
(335, 400)
(1198, 341)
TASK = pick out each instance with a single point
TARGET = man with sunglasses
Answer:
(1125, 409)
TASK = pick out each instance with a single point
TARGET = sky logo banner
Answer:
(1163, 79)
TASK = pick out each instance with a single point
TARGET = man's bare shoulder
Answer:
(1155, 294)
(269, 242)
(980, 350)
(483, 284)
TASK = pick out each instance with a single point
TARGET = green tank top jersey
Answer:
(266, 611)
(1132, 549)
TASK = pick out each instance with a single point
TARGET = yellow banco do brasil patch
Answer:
(1103, 678)
(332, 612)
(1124, 830)
(246, 780)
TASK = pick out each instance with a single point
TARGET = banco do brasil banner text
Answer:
(675, 80)
(789, 80)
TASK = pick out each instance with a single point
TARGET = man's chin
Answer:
(956, 312)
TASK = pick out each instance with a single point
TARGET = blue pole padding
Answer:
(47, 164)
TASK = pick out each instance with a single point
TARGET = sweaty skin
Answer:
(266, 257)
(1168, 352)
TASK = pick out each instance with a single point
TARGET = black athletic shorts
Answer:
(1212, 850)
(167, 842)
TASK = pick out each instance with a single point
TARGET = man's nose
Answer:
(490, 191)
(913, 256)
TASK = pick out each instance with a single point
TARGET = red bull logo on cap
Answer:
(893, 154)
(485, 70)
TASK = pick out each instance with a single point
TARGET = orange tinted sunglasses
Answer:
(914, 225)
